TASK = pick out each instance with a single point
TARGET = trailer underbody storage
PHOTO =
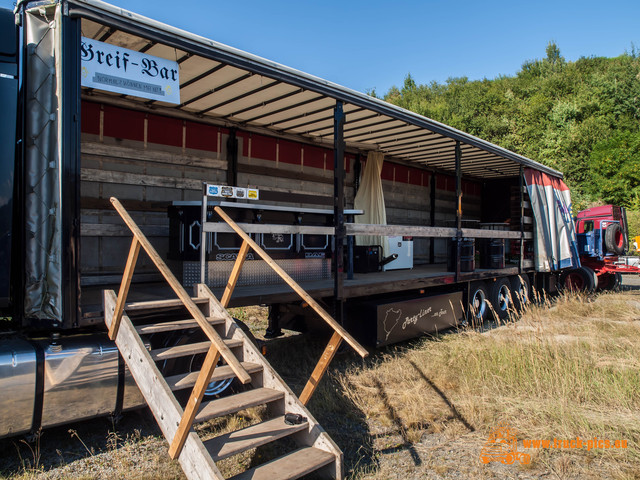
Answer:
(161, 177)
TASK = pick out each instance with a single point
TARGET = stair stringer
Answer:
(314, 435)
(194, 458)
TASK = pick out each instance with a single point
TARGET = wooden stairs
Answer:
(316, 450)
(187, 331)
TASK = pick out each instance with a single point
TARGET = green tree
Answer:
(615, 169)
(566, 114)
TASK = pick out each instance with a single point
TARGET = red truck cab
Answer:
(602, 231)
(602, 237)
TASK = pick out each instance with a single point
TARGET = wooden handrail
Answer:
(124, 287)
(235, 274)
(182, 294)
(195, 399)
(293, 284)
(318, 372)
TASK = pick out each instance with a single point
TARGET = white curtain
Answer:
(371, 199)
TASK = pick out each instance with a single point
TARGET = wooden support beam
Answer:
(419, 231)
(293, 284)
(321, 367)
(124, 287)
(395, 230)
(220, 227)
(191, 409)
(182, 294)
(235, 274)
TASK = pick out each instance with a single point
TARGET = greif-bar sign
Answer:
(121, 70)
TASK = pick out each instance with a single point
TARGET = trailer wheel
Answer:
(501, 298)
(478, 298)
(520, 290)
(614, 239)
(617, 284)
(578, 280)
(610, 281)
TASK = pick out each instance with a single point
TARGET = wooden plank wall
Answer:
(291, 172)
(408, 201)
(148, 161)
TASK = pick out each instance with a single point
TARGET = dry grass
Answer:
(566, 368)
(563, 370)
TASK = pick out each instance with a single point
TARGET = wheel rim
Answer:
(214, 388)
(503, 298)
(522, 294)
(479, 304)
(574, 281)
(619, 239)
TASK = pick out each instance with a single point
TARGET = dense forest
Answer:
(581, 117)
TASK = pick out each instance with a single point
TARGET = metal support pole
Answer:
(357, 169)
(459, 209)
(338, 209)
(203, 235)
(350, 242)
(432, 217)
(521, 188)
(70, 170)
(232, 158)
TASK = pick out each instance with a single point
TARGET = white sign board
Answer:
(226, 191)
(120, 70)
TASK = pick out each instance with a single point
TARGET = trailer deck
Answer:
(362, 284)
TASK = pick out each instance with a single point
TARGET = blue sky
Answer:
(374, 44)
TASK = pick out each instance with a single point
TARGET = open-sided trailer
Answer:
(105, 103)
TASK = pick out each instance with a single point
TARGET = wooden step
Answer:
(251, 437)
(175, 325)
(223, 372)
(289, 467)
(158, 304)
(235, 403)
(188, 349)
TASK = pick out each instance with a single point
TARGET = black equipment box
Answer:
(383, 322)
(366, 258)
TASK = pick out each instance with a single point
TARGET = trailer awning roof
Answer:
(228, 86)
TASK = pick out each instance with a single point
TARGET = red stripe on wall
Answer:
(314, 156)
(263, 147)
(124, 124)
(90, 118)
(202, 137)
(349, 160)
(415, 176)
(402, 174)
(164, 130)
(387, 171)
(290, 152)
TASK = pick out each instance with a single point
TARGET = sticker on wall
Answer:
(226, 191)
(253, 194)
